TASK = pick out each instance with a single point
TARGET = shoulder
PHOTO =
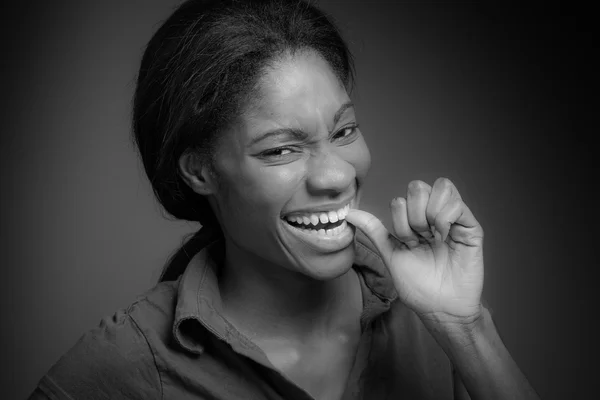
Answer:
(116, 359)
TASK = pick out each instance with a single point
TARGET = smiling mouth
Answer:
(325, 223)
(319, 226)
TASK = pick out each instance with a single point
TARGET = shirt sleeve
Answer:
(113, 361)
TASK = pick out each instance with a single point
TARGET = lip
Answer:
(325, 244)
(322, 208)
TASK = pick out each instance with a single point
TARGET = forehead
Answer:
(300, 89)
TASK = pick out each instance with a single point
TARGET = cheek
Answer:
(360, 157)
(281, 182)
(261, 190)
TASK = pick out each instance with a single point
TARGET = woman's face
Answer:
(295, 158)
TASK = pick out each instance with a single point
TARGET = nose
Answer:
(330, 174)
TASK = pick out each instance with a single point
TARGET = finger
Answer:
(416, 204)
(400, 223)
(374, 229)
(447, 216)
(457, 220)
(442, 192)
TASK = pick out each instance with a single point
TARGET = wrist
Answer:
(483, 363)
(452, 324)
(456, 334)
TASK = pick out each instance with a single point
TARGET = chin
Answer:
(321, 258)
(326, 267)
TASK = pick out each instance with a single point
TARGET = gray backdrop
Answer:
(494, 99)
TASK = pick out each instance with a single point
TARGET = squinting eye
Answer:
(346, 132)
(283, 152)
(279, 152)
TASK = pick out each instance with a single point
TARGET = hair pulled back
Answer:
(197, 73)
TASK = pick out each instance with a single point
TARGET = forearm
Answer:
(485, 366)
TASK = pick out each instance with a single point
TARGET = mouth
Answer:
(326, 223)
(325, 231)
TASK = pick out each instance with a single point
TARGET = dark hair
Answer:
(197, 73)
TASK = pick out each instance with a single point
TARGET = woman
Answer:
(244, 123)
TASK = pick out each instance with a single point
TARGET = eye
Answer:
(346, 133)
(277, 152)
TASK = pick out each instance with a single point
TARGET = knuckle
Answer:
(445, 184)
(371, 224)
(458, 203)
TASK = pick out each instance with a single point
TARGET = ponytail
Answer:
(180, 260)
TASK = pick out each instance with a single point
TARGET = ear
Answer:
(195, 170)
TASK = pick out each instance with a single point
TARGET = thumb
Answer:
(374, 229)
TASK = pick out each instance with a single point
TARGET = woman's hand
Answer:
(435, 254)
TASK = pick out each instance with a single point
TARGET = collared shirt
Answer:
(173, 342)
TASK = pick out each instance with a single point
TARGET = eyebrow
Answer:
(295, 134)
(298, 134)
(341, 111)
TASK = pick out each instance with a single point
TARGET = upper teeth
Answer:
(323, 217)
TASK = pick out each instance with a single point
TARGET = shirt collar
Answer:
(199, 301)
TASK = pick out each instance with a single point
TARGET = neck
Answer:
(264, 299)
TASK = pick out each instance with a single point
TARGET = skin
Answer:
(435, 258)
(302, 306)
